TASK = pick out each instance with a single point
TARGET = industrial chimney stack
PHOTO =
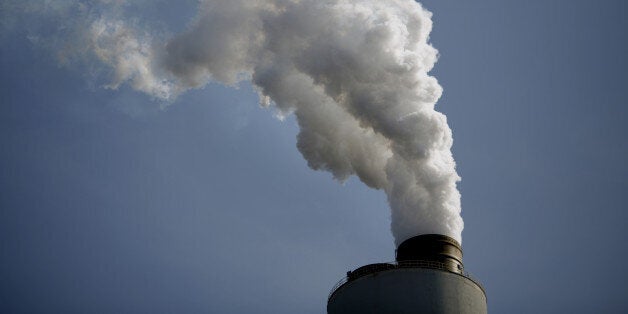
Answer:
(428, 277)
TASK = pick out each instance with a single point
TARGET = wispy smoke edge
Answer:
(354, 73)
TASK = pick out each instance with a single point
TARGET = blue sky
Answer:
(109, 204)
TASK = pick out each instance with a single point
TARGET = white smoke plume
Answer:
(353, 72)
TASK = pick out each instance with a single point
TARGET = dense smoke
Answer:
(353, 72)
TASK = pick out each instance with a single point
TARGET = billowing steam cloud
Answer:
(353, 72)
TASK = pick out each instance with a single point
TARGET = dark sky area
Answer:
(111, 204)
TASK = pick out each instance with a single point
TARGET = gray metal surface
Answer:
(409, 290)
(432, 247)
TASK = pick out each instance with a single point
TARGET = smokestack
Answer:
(356, 76)
(427, 277)
(434, 248)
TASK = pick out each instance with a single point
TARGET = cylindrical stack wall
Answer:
(428, 277)
(409, 290)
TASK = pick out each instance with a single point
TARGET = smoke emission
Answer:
(353, 72)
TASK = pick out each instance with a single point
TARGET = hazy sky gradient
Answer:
(109, 204)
